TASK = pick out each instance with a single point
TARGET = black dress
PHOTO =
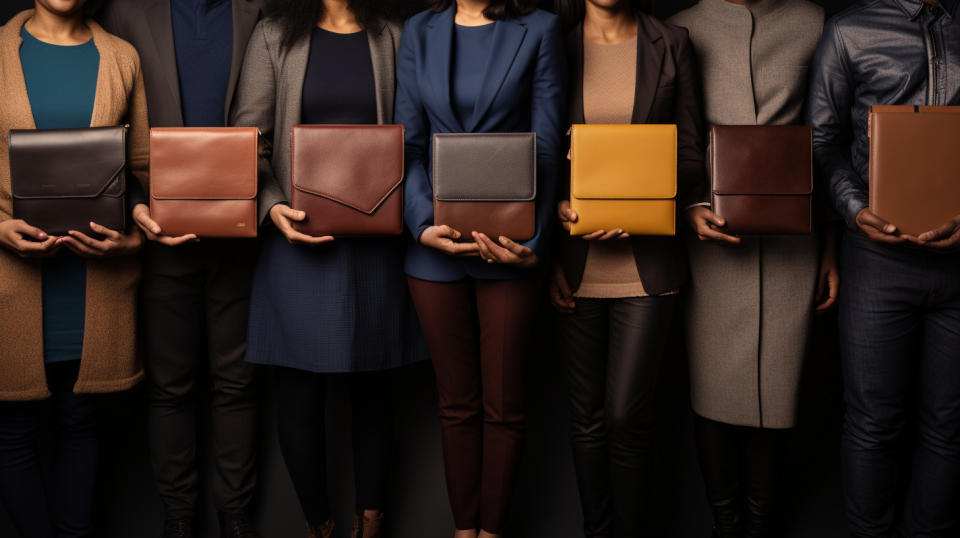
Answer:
(341, 307)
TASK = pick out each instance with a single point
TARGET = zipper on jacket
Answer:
(934, 56)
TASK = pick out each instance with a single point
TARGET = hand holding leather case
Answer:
(61, 180)
(914, 169)
(348, 179)
(203, 181)
(486, 182)
(762, 178)
(624, 177)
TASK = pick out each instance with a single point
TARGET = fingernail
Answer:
(43, 235)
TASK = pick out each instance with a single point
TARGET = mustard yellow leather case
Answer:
(624, 177)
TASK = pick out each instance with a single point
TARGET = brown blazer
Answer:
(109, 362)
(667, 91)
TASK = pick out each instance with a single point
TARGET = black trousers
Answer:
(65, 510)
(301, 407)
(195, 302)
(900, 338)
(612, 351)
(740, 467)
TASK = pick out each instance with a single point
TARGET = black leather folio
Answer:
(63, 179)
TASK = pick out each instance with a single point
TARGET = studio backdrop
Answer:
(545, 503)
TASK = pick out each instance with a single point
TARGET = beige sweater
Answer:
(609, 84)
(109, 360)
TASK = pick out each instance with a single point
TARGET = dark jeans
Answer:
(612, 351)
(900, 332)
(479, 334)
(301, 408)
(195, 301)
(740, 466)
(69, 514)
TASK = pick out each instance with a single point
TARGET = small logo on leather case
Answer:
(241, 225)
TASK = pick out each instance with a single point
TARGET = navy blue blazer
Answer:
(523, 91)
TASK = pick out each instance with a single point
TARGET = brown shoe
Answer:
(367, 527)
(323, 531)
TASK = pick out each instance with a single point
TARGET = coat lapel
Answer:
(14, 83)
(650, 53)
(245, 17)
(507, 37)
(439, 45)
(160, 22)
(291, 86)
(383, 55)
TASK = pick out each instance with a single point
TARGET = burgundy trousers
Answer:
(479, 334)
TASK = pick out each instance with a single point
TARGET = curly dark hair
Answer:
(299, 17)
(571, 12)
(497, 10)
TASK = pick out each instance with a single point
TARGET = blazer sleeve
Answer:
(828, 113)
(138, 147)
(409, 111)
(547, 120)
(255, 106)
(688, 113)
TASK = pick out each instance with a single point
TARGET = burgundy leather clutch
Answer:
(762, 178)
(348, 179)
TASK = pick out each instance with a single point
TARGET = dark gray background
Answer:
(545, 503)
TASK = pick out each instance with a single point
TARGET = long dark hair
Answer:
(299, 17)
(497, 10)
(571, 12)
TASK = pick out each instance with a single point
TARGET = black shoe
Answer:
(236, 526)
(178, 527)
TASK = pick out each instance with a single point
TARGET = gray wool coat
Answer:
(270, 93)
(749, 308)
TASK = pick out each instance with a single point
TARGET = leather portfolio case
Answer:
(61, 180)
(203, 180)
(348, 179)
(761, 178)
(914, 168)
(624, 177)
(486, 182)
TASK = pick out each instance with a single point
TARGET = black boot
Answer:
(757, 516)
(178, 527)
(236, 526)
(726, 518)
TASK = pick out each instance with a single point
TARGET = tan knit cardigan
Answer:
(109, 362)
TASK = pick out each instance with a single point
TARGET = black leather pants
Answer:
(739, 466)
(612, 351)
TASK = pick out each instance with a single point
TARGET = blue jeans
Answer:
(62, 508)
(900, 337)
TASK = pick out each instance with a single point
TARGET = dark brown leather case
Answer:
(203, 180)
(486, 182)
(762, 178)
(348, 179)
(914, 170)
(61, 180)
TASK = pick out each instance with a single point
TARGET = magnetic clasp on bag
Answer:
(624, 177)
(204, 180)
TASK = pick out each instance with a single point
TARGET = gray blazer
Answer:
(147, 25)
(270, 92)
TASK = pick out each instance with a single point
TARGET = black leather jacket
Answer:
(878, 52)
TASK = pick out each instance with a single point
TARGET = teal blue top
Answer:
(62, 85)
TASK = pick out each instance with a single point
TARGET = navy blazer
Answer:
(523, 91)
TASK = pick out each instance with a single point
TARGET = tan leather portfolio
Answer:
(624, 177)
(203, 180)
(914, 167)
(348, 179)
(486, 182)
(761, 178)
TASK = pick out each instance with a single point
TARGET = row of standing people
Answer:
(307, 306)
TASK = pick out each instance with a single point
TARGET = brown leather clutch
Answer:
(203, 180)
(486, 182)
(762, 178)
(61, 180)
(348, 179)
(914, 170)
